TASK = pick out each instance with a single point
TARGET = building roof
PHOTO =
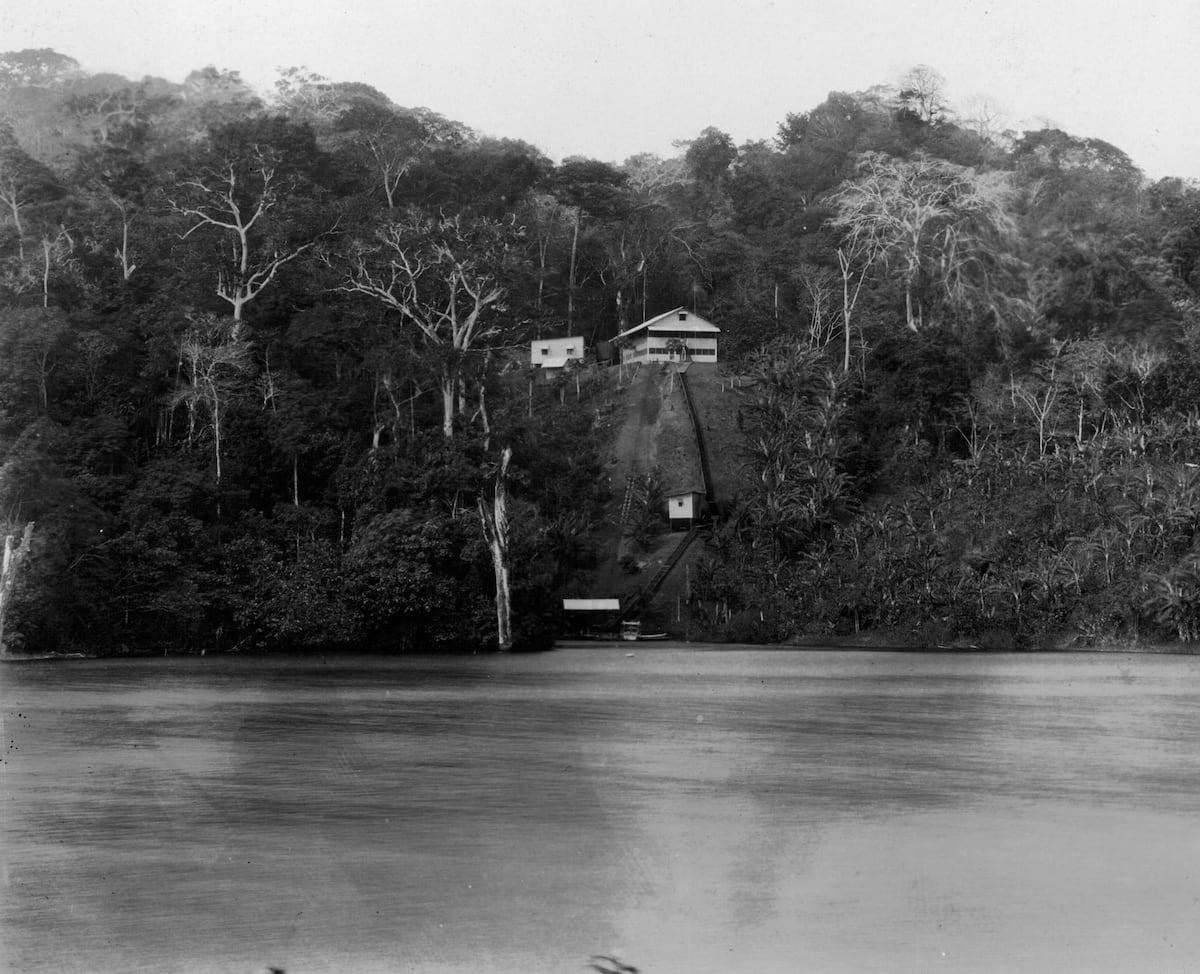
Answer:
(693, 323)
(569, 339)
(592, 605)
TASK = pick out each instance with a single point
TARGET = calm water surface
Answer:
(687, 811)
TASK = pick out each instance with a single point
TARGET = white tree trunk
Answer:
(13, 556)
(46, 245)
(571, 279)
(449, 399)
(495, 530)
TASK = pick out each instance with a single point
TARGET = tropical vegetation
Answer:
(264, 377)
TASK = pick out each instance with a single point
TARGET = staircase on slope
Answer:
(627, 503)
(650, 589)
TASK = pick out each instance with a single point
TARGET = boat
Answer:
(631, 631)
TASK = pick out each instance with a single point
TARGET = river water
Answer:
(733, 810)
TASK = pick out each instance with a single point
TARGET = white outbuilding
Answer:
(685, 509)
(555, 353)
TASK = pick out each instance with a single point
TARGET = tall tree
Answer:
(447, 278)
(26, 187)
(384, 144)
(485, 176)
(14, 555)
(243, 190)
(32, 345)
(216, 360)
(545, 215)
(107, 109)
(710, 155)
(594, 191)
(856, 254)
(212, 98)
(941, 227)
(36, 68)
(821, 146)
(495, 529)
(115, 183)
(923, 94)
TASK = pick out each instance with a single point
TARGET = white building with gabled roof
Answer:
(677, 335)
(554, 353)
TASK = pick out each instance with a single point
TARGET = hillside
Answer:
(653, 435)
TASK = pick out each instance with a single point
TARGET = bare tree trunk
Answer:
(571, 280)
(849, 299)
(216, 425)
(495, 529)
(543, 243)
(15, 210)
(122, 252)
(449, 394)
(13, 556)
(46, 245)
(484, 418)
(908, 309)
(644, 290)
(847, 311)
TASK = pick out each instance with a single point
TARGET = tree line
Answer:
(262, 382)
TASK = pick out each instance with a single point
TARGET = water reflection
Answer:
(687, 811)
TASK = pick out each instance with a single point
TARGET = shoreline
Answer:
(858, 643)
(836, 644)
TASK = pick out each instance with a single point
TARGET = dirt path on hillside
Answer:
(634, 451)
(652, 429)
(635, 448)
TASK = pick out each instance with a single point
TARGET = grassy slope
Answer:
(652, 430)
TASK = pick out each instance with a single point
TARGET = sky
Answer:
(610, 78)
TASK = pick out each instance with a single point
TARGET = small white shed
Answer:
(685, 509)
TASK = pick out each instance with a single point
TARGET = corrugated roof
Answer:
(550, 342)
(693, 323)
(592, 605)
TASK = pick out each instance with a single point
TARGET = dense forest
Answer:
(264, 373)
